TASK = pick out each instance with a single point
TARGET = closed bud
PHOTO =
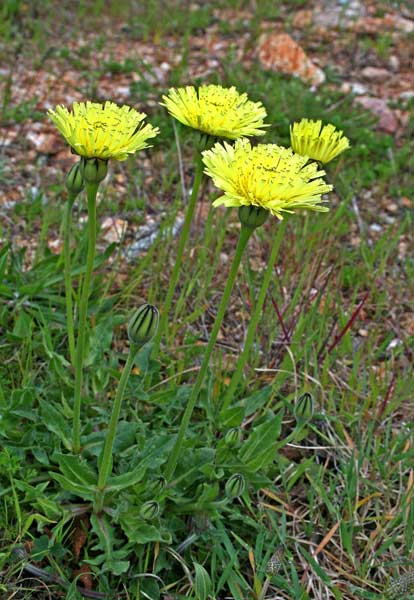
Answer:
(304, 408)
(232, 437)
(150, 510)
(252, 216)
(159, 485)
(94, 170)
(143, 325)
(74, 179)
(235, 486)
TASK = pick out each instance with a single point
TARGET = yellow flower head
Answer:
(309, 138)
(217, 111)
(266, 175)
(102, 130)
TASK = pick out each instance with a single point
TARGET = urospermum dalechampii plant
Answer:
(317, 141)
(262, 180)
(95, 132)
(217, 111)
(266, 176)
(105, 131)
(258, 180)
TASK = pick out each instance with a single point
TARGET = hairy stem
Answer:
(251, 330)
(91, 191)
(245, 234)
(180, 251)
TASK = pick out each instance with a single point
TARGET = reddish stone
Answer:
(387, 120)
(279, 52)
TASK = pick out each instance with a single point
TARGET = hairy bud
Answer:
(143, 325)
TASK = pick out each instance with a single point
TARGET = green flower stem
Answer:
(245, 234)
(68, 282)
(106, 462)
(181, 246)
(91, 191)
(251, 331)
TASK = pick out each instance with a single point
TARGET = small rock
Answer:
(55, 246)
(46, 143)
(394, 343)
(303, 18)
(122, 91)
(391, 23)
(279, 52)
(353, 8)
(146, 236)
(378, 106)
(375, 227)
(353, 87)
(392, 207)
(375, 74)
(407, 95)
(113, 229)
(341, 15)
(394, 62)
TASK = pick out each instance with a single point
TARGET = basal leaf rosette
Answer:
(266, 176)
(216, 111)
(317, 141)
(103, 131)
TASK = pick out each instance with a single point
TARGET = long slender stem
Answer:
(251, 330)
(91, 190)
(68, 281)
(180, 251)
(106, 463)
(245, 233)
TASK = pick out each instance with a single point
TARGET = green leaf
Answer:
(72, 592)
(83, 491)
(259, 449)
(121, 482)
(56, 422)
(23, 325)
(202, 582)
(232, 417)
(76, 469)
(117, 567)
(315, 566)
(258, 399)
(139, 531)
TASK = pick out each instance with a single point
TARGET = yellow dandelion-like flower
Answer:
(103, 131)
(266, 176)
(217, 111)
(322, 143)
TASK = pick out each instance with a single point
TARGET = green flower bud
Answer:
(143, 325)
(94, 170)
(74, 179)
(235, 486)
(304, 408)
(150, 510)
(252, 216)
(232, 437)
(159, 485)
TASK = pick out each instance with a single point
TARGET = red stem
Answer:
(349, 324)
